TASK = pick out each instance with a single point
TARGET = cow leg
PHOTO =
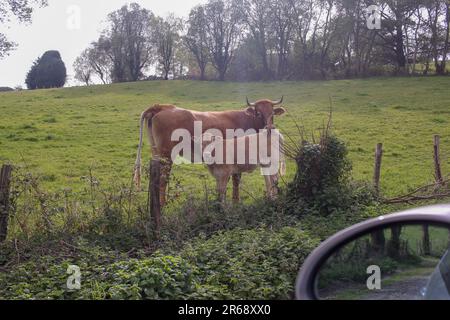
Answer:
(275, 188)
(270, 187)
(222, 182)
(166, 168)
(236, 183)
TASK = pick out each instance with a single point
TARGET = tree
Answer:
(181, 62)
(100, 60)
(22, 11)
(446, 38)
(244, 66)
(223, 31)
(438, 25)
(196, 40)
(258, 19)
(418, 24)
(94, 61)
(83, 68)
(5, 46)
(282, 24)
(396, 15)
(305, 23)
(166, 38)
(31, 79)
(47, 71)
(128, 42)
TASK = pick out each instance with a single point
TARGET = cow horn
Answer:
(278, 102)
(250, 104)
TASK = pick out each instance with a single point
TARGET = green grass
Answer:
(61, 133)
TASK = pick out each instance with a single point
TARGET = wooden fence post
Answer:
(437, 160)
(5, 182)
(378, 239)
(377, 169)
(154, 195)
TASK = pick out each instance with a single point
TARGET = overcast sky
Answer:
(56, 27)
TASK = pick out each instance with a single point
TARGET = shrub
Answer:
(47, 71)
(323, 180)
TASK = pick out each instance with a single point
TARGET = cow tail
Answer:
(146, 117)
(137, 166)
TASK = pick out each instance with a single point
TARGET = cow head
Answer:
(265, 110)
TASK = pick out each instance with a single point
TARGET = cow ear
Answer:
(279, 111)
(251, 111)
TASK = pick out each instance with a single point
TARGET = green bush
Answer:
(48, 71)
(323, 180)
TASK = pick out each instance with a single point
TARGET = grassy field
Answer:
(62, 133)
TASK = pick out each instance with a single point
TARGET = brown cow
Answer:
(163, 120)
(228, 157)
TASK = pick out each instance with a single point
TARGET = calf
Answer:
(232, 157)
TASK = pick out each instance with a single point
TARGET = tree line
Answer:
(243, 40)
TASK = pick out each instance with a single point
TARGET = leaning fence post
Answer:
(377, 169)
(154, 195)
(5, 182)
(437, 160)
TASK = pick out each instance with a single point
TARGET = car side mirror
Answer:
(402, 256)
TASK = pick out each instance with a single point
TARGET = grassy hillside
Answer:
(62, 133)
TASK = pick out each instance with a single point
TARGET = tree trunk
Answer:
(222, 73)
(378, 241)
(426, 244)
(400, 53)
(427, 64)
(202, 73)
(394, 245)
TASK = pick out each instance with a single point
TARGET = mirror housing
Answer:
(305, 284)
